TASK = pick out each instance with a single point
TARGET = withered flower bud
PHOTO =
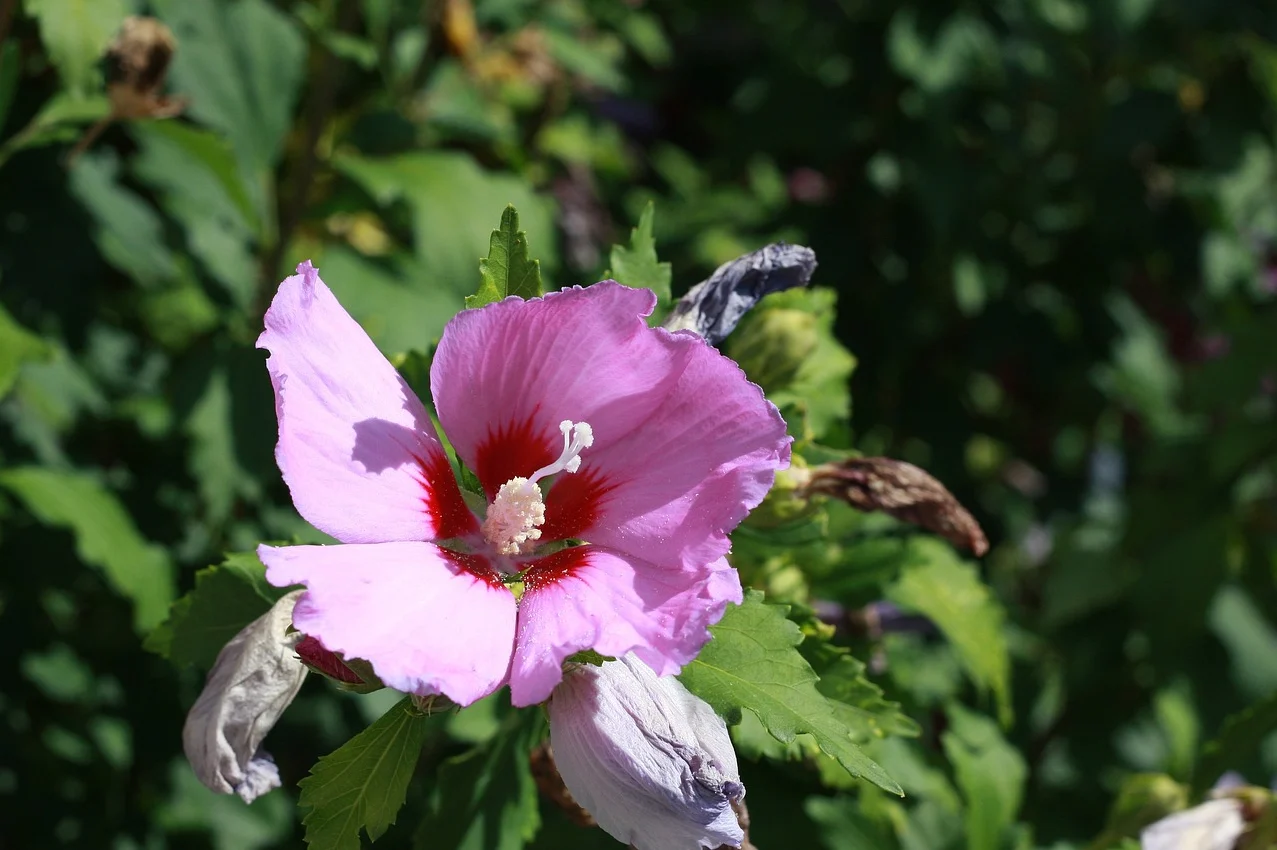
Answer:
(137, 64)
(1215, 825)
(714, 306)
(652, 763)
(903, 491)
(254, 679)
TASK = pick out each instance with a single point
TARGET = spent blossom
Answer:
(254, 679)
(652, 763)
(1214, 825)
(614, 461)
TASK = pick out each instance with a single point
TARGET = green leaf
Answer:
(989, 772)
(451, 200)
(212, 458)
(858, 701)
(196, 150)
(753, 662)
(225, 598)
(392, 298)
(507, 270)
(241, 64)
(59, 120)
(364, 782)
(788, 346)
(637, 265)
(127, 230)
(487, 798)
(951, 594)
(105, 536)
(1239, 740)
(75, 34)
(1142, 799)
(17, 346)
(199, 184)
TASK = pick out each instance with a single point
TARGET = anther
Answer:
(577, 437)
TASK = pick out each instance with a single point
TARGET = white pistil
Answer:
(518, 511)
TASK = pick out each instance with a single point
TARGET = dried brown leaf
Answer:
(903, 491)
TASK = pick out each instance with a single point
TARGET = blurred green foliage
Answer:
(1048, 229)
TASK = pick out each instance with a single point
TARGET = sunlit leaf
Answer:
(127, 230)
(76, 33)
(507, 270)
(951, 594)
(225, 598)
(753, 663)
(17, 346)
(636, 265)
(453, 202)
(240, 63)
(105, 536)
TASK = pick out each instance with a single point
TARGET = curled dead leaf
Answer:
(903, 491)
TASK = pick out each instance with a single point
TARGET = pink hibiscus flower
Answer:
(649, 446)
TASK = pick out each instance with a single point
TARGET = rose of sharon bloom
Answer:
(580, 422)
(651, 762)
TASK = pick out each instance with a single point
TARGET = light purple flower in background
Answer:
(1214, 825)
(581, 423)
(651, 762)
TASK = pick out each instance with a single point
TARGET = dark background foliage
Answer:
(1052, 230)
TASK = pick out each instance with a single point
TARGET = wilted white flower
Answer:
(254, 679)
(1215, 825)
(652, 763)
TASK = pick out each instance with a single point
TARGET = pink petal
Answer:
(684, 445)
(356, 447)
(506, 375)
(587, 597)
(428, 620)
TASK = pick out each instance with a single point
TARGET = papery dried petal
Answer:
(714, 306)
(652, 763)
(1215, 825)
(254, 679)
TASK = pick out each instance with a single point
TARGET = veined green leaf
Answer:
(225, 598)
(364, 782)
(753, 662)
(507, 270)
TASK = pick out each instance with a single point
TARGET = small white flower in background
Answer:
(651, 762)
(254, 679)
(1215, 825)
